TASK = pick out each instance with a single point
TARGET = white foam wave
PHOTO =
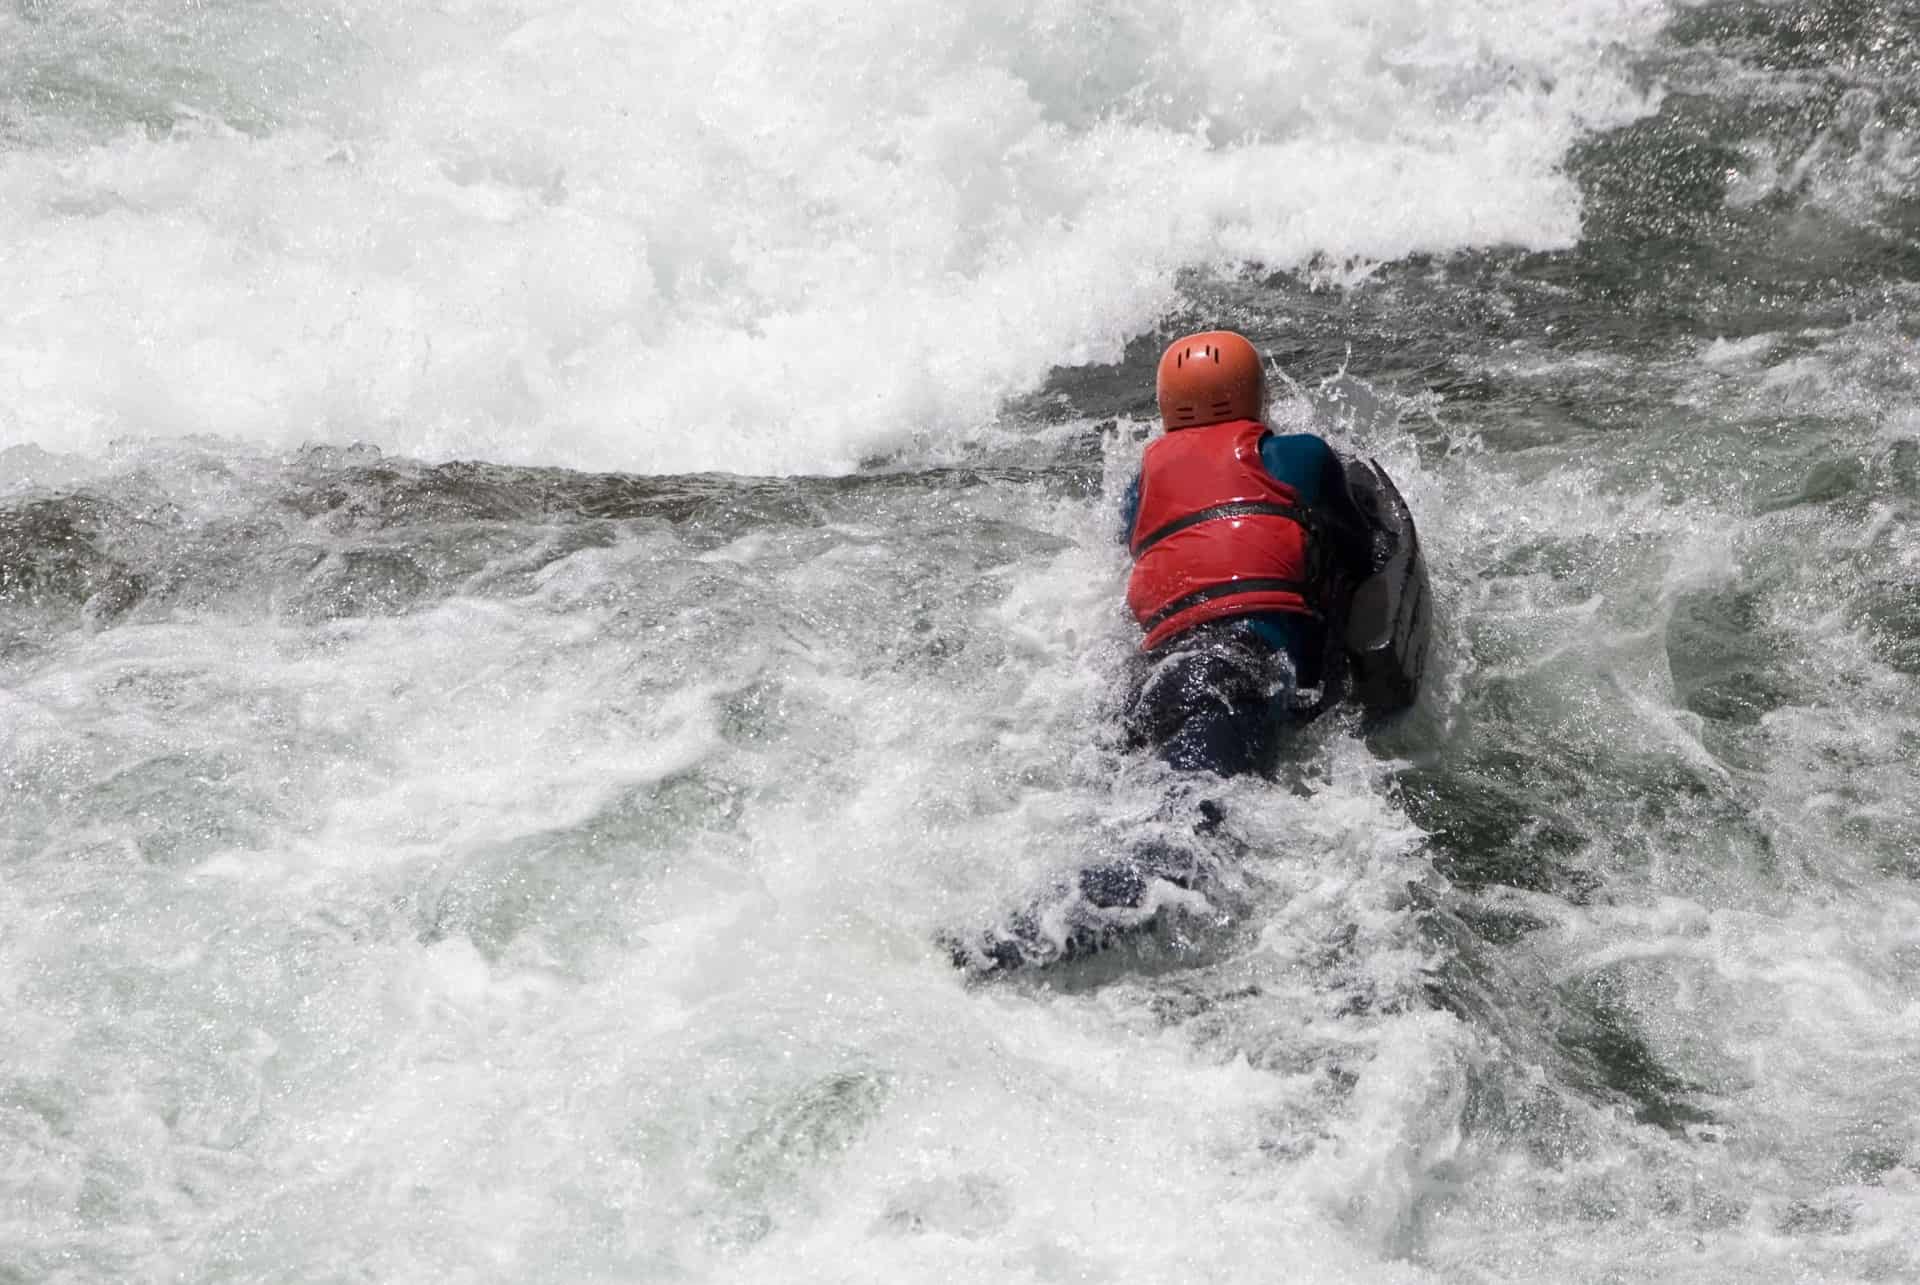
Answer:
(755, 237)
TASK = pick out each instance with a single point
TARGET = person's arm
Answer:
(1351, 533)
(1305, 462)
(1129, 510)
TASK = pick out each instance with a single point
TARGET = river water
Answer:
(554, 555)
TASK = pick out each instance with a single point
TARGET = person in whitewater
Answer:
(1246, 546)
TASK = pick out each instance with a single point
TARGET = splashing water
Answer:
(760, 238)
(424, 861)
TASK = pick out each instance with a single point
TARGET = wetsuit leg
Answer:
(1207, 700)
(1214, 699)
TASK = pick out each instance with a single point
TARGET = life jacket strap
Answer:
(1228, 589)
(1236, 509)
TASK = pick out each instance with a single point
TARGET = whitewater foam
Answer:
(749, 237)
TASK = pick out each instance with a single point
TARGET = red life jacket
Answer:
(1215, 536)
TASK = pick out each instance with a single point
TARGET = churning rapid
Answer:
(553, 554)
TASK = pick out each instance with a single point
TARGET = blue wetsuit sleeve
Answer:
(1301, 461)
(1129, 509)
(1309, 465)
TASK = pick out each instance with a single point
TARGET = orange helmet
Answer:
(1210, 378)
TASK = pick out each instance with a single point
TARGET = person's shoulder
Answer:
(1312, 442)
(1301, 460)
(1298, 448)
